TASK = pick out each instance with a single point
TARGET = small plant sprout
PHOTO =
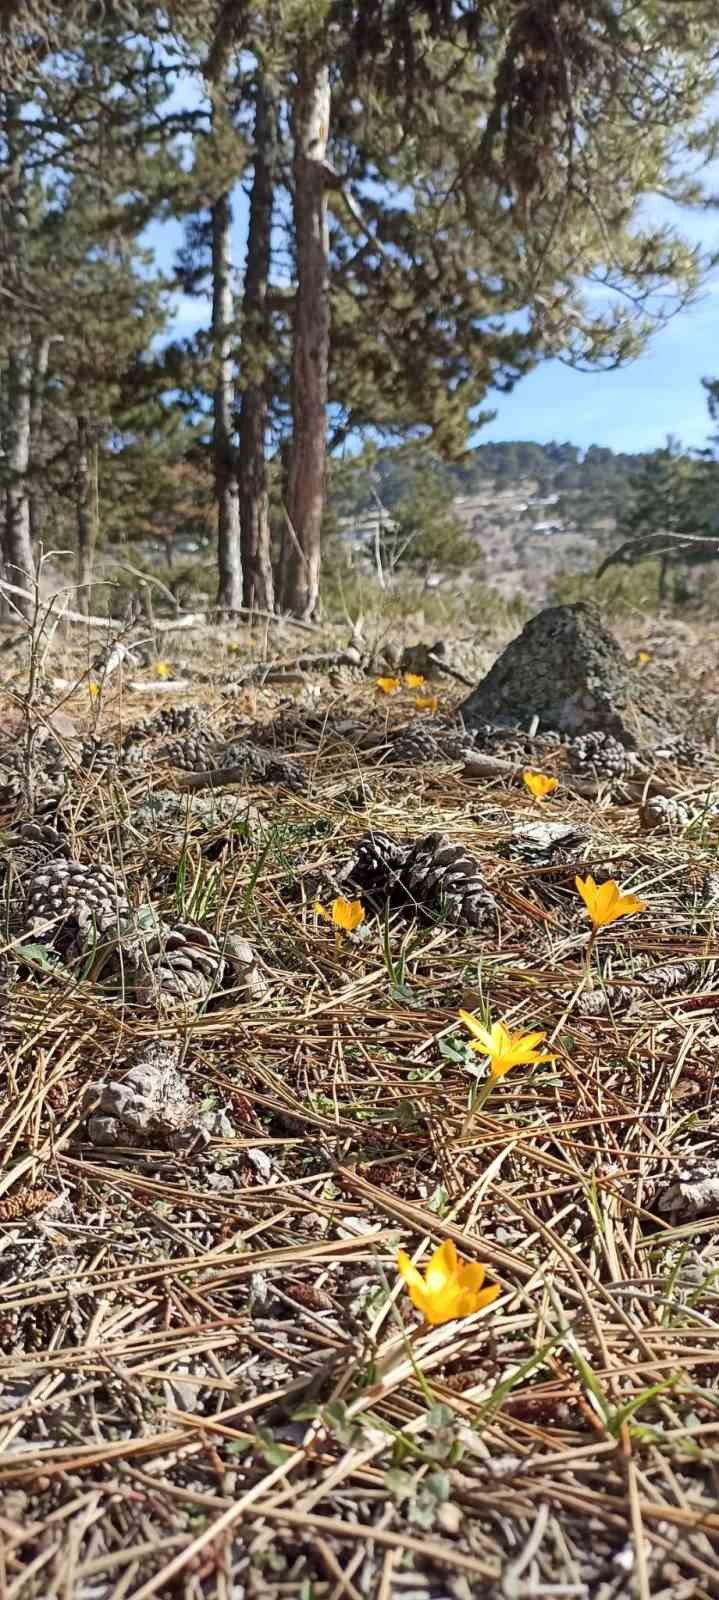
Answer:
(387, 685)
(450, 1287)
(605, 903)
(427, 702)
(345, 914)
(414, 680)
(539, 784)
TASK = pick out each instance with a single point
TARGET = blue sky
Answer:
(634, 408)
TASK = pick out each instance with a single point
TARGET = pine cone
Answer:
(664, 811)
(375, 867)
(601, 755)
(24, 850)
(152, 1104)
(493, 738)
(444, 879)
(83, 904)
(195, 752)
(247, 974)
(264, 766)
(540, 843)
(710, 891)
(170, 720)
(423, 741)
(683, 751)
(186, 968)
(48, 776)
(98, 755)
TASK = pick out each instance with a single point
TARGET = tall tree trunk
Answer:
(310, 357)
(258, 587)
(41, 358)
(85, 517)
(16, 546)
(229, 594)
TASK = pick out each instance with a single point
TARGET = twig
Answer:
(190, 620)
(451, 672)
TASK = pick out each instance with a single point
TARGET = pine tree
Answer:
(671, 514)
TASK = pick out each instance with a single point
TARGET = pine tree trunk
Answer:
(85, 517)
(310, 359)
(258, 590)
(41, 359)
(16, 546)
(229, 594)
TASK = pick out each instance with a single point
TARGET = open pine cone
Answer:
(433, 875)
(185, 967)
(82, 904)
(445, 880)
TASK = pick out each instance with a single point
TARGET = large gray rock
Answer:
(566, 669)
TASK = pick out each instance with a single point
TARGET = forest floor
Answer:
(212, 1380)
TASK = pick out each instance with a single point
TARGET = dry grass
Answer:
(211, 1383)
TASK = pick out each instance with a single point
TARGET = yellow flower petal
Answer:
(441, 1267)
(321, 911)
(450, 1287)
(347, 914)
(387, 685)
(504, 1049)
(412, 1277)
(539, 784)
(606, 903)
(471, 1274)
(477, 1028)
(414, 680)
(162, 669)
(427, 702)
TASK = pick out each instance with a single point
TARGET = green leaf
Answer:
(39, 955)
(398, 1483)
(273, 1453)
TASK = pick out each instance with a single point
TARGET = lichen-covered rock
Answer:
(567, 670)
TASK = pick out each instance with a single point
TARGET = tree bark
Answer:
(310, 358)
(16, 546)
(258, 589)
(85, 517)
(229, 594)
(41, 359)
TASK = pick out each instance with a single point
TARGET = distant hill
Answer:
(535, 511)
(591, 483)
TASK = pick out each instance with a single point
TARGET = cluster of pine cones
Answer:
(432, 877)
(81, 912)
